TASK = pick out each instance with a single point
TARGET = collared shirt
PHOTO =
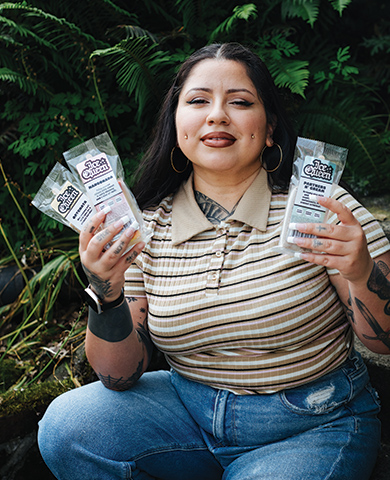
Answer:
(226, 308)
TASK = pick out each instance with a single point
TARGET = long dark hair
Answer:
(156, 178)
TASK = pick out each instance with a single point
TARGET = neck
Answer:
(226, 193)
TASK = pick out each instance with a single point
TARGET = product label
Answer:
(73, 205)
(104, 190)
(316, 179)
(98, 178)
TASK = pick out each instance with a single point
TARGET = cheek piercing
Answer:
(252, 136)
(186, 137)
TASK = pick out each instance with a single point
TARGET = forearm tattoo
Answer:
(143, 337)
(121, 384)
(113, 325)
(349, 310)
(380, 334)
(103, 288)
(214, 212)
(378, 283)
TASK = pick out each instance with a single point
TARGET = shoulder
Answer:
(160, 212)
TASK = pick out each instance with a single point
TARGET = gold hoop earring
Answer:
(173, 166)
(280, 159)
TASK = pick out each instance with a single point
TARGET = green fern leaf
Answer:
(242, 12)
(340, 5)
(290, 73)
(136, 65)
(306, 9)
(25, 84)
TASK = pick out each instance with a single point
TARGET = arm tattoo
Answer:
(121, 384)
(113, 325)
(349, 310)
(214, 212)
(380, 334)
(101, 287)
(378, 283)
(144, 337)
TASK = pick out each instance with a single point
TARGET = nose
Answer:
(218, 115)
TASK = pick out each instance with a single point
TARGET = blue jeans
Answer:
(169, 428)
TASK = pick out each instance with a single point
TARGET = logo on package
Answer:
(95, 168)
(319, 170)
(66, 199)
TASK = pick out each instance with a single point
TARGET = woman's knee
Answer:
(66, 419)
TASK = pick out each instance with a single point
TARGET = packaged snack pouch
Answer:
(62, 197)
(317, 168)
(97, 163)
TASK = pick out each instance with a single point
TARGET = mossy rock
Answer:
(21, 410)
(9, 374)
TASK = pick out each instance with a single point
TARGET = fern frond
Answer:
(21, 30)
(343, 122)
(290, 73)
(135, 64)
(340, 5)
(32, 12)
(131, 31)
(26, 85)
(242, 12)
(306, 9)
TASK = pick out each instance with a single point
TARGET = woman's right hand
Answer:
(105, 269)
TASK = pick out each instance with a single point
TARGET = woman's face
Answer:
(221, 123)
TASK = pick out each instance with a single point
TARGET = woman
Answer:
(265, 382)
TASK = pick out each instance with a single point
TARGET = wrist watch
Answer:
(96, 303)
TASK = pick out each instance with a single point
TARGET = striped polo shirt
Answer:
(228, 310)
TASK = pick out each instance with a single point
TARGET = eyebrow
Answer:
(231, 90)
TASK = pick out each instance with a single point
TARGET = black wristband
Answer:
(113, 325)
(97, 304)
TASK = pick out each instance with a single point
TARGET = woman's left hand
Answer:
(343, 246)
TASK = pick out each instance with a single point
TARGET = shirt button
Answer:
(218, 253)
(214, 277)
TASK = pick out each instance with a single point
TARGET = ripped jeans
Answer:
(169, 428)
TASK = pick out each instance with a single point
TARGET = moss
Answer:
(9, 374)
(32, 398)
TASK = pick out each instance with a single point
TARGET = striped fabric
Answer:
(229, 311)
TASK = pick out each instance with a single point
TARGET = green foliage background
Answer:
(70, 70)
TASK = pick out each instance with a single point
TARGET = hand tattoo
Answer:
(102, 287)
(378, 283)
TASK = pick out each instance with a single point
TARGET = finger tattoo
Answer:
(130, 258)
(119, 248)
(103, 235)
